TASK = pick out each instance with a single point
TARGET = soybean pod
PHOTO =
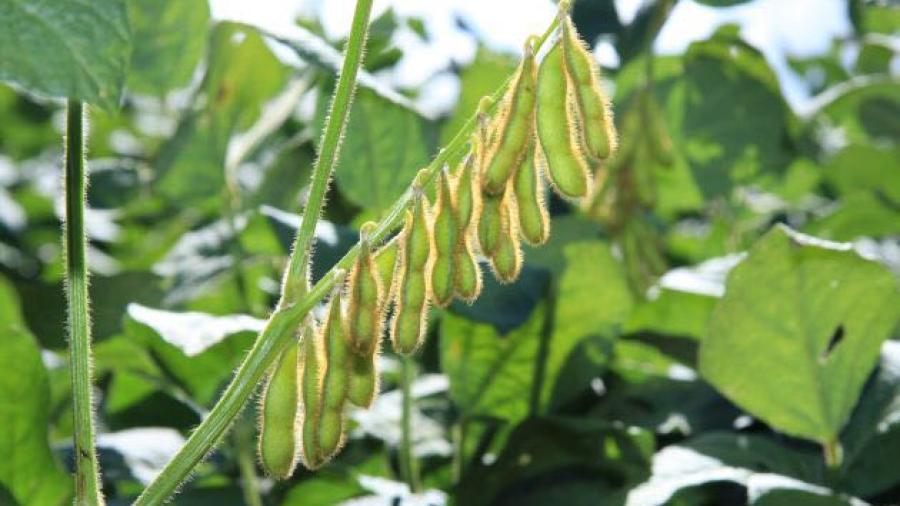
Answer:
(444, 231)
(515, 126)
(528, 188)
(311, 363)
(278, 417)
(468, 206)
(567, 168)
(365, 297)
(410, 291)
(596, 127)
(506, 261)
(336, 379)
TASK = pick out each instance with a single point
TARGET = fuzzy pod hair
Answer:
(506, 261)
(409, 323)
(335, 381)
(444, 230)
(514, 126)
(567, 167)
(528, 188)
(278, 416)
(593, 111)
(365, 298)
(467, 273)
(312, 361)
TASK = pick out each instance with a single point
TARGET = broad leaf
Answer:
(726, 74)
(28, 472)
(242, 75)
(384, 146)
(66, 48)
(798, 331)
(172, 36)
(720, 457)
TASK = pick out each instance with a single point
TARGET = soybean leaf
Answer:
(27, 471)
(726, 74)
(491, 375)
(242, 75)
(66, 48)
(798, 332)
(865, 167)
(173, 35)
(721, 457)
(872, 435)
(864, 109)
(774, 490)
(858, 214)
(383, 148)
(559, 460)
(593, 300)
(198, 350)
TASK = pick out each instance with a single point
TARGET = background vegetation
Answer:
(625, 366)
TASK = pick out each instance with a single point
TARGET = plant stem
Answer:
(408, 464)
(833, 454)
(87, 470)
(329, 151)
(279, 331)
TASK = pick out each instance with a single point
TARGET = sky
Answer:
(778, 28)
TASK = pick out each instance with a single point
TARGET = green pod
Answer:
(410, 294)
(278, 417)
(515, 127)
(468, 194)
(386, 262)
(643, 169)
(506, 262)
(528, 188)
(363, 379)
(597, 129)
(364, 304)
(467, 274)
(311, 362)
(489, 224)
(336, 379)
(567, 168)
(444, 234)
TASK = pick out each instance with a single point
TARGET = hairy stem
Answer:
(87, 470)
(280, 329)
(408, 465)
(329, 151)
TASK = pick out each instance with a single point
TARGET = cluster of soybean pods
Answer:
(553, 122)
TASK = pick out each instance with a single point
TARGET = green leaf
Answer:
(28, 471)
(726, 74)
(872, 436)
(198, 350)
(864, 109)
(865, 167)
(383, 148)
(859, 214)
(491, 375)
(717, 457)
(66, 48)
(798, 332)
(242, 75)
(482, 77)
(780, 491)
(672, 313)
(560, 460)
(173, 36)
(593, 300)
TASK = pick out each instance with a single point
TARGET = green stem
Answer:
(408, 464)
(329, 151)
(833, 454)
(87, 470)
(279, 331)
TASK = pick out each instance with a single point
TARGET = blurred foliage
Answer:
(629, 365)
